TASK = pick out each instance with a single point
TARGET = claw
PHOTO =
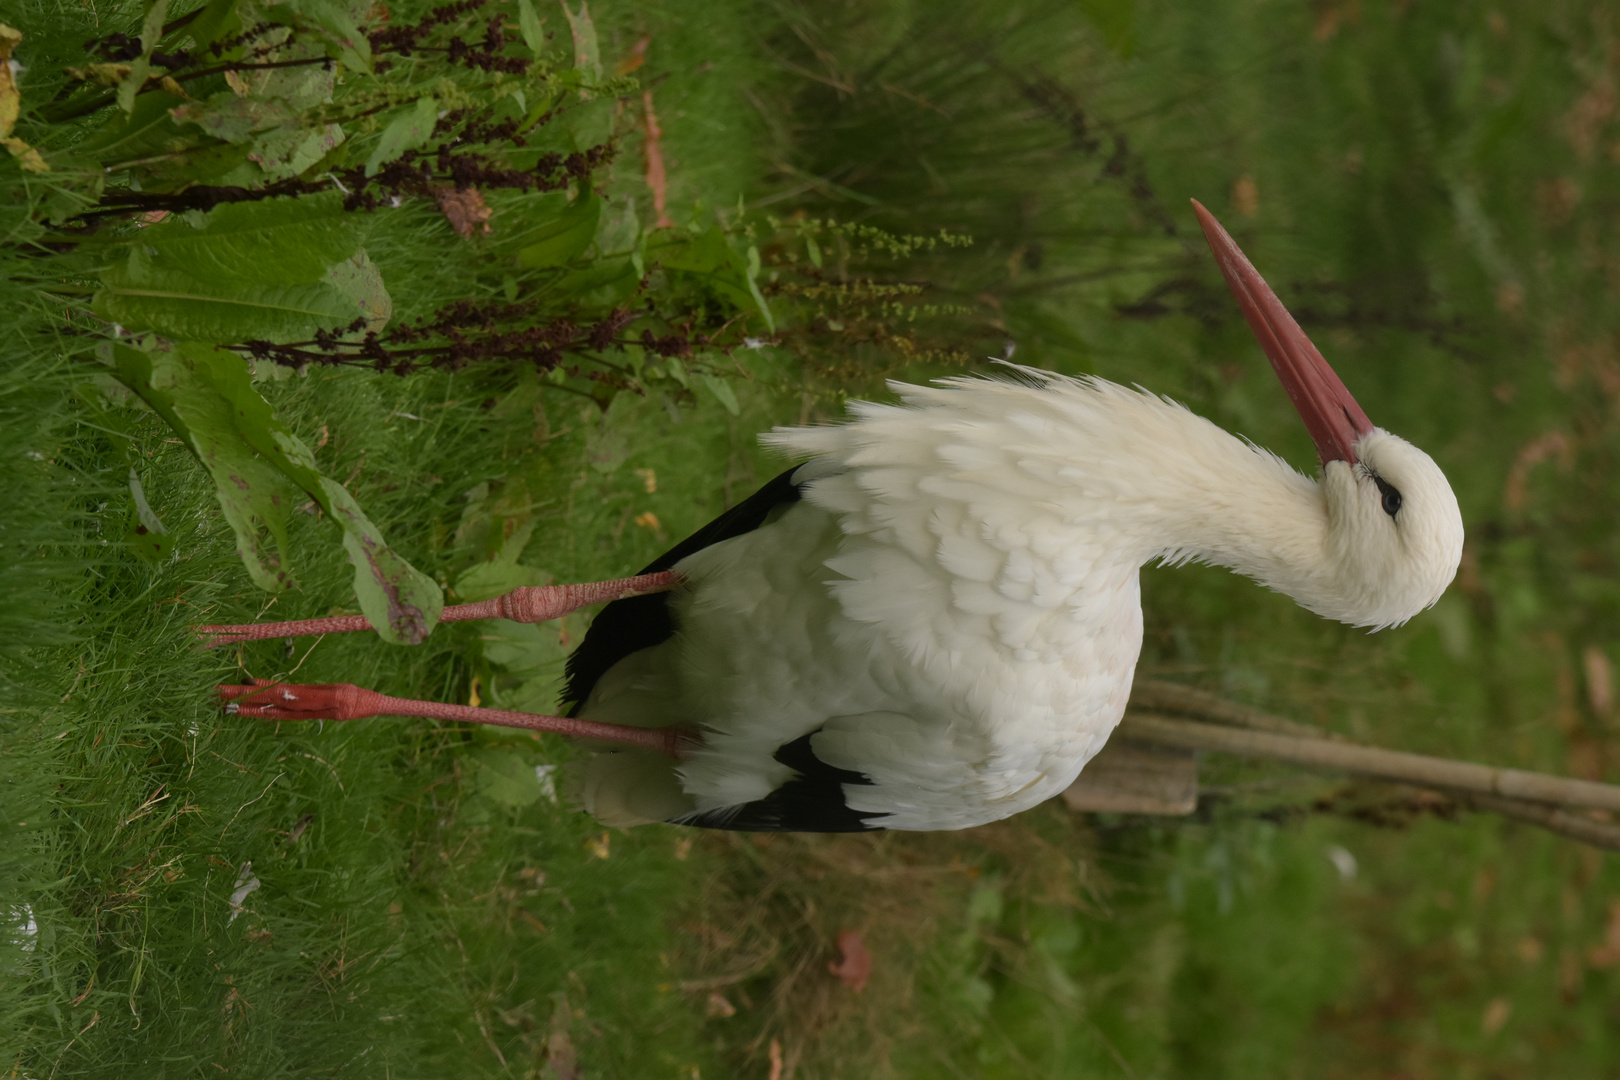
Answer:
(284, 701)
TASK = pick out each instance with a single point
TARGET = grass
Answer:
(1429, 186)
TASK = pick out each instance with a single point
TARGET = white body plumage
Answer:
(953, 607)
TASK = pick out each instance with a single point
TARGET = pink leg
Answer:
(345, 701)
(535, 603)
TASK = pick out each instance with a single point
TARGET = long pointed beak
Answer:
(1331, 415)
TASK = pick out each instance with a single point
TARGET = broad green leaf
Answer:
(221, 164)
(607, 283)
(534, 653)
(252, 495)
(359, 280)
(289, 151)
(507, 777)
(723, 393)
(485, 580)
(301, 87)
(566, 236)
(331, 21)
(524, 648)
(235, 119)
(587, 54)
(621, 232)
(269, 270)
(501, 573)
(534, 33)
(675, 249)
(137, 295)
(269, 242)
(408, 129)
(207, 396)
(147, 132)
(218, 20)
(402, 602)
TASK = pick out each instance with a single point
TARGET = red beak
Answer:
(1331, 415)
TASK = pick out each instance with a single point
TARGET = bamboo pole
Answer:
(1419, 769)
(1535, 798)
(1603, 834)
(1156, 695)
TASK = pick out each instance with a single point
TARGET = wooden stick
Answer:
(1602, 834)
(1157, 696)
(1419, 769)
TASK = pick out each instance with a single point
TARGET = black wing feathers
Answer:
(813, 801)
(627, 626)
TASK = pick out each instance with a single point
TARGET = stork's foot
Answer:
(533, 603)
(345, 701)
(266, 700)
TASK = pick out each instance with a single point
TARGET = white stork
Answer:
(934, 621)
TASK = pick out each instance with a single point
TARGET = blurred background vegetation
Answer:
(1432, 189)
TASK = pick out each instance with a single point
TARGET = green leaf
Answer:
(138, 296)
(587, 54)
(211, 165)
(289, 151)
(507, 777)
(485, 580)
(534, 34)
(358, 279)
(269, 242)
(148, 131)
(146, 536)
(331, 22)
(235, 119)
(252, 495)
(270, 270)
(752, 277)
(218, 20)
(524, 649)
(408, 129)
(566, 236)
(207, 397)
(710, 258)
(723, 393)
(674, 249)
(151, 33)
(605, 283)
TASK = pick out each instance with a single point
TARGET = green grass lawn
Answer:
(1431, 188)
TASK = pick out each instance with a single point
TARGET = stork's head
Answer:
(1395, 533)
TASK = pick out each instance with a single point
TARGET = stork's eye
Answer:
(1392, 498)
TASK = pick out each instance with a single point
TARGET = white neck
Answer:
(1085, 473)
